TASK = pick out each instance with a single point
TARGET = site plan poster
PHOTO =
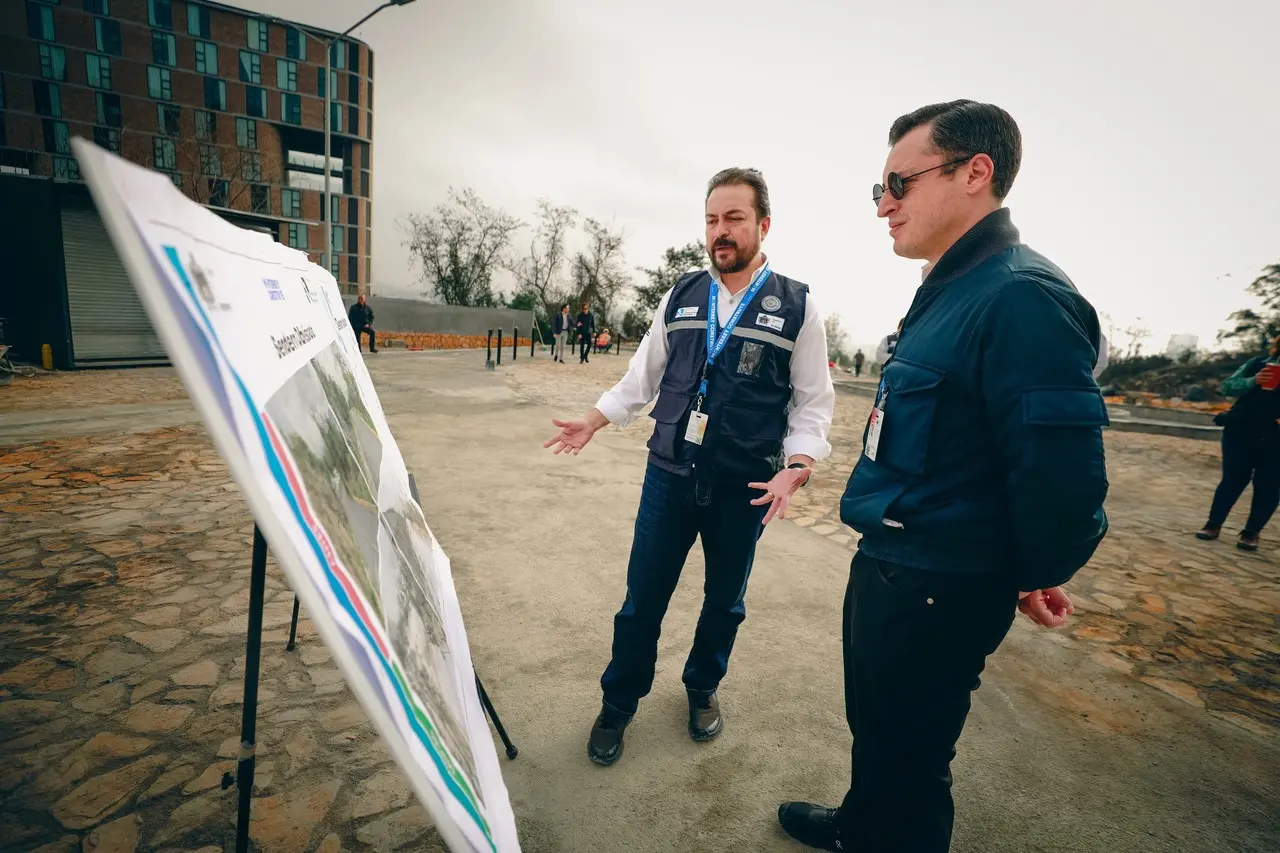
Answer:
(260, 338)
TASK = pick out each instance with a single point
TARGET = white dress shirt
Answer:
(813, 396)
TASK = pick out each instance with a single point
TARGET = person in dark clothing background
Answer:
(560, 328)
(586, 325)
(980, 487)
(1250, 448)
(360, 316)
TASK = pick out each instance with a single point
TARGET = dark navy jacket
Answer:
(749, 386)
(990, 457)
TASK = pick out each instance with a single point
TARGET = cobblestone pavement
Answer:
(1196, 620)
(124, 564)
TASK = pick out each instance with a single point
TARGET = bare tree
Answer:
(207, 172)
(1138, 333)
(600, 274)
(837, 339)
(538, 272)
(459, 246)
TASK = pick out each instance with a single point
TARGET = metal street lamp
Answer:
(327, 210)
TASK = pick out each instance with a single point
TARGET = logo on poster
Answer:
(203, 287)
(312, 295)
(273, 289)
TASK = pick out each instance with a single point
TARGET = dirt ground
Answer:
(1149, 724)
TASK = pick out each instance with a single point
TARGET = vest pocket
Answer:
(752, 433)
(669, 413)
(912, 402)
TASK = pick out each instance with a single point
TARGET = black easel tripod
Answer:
(243, 779)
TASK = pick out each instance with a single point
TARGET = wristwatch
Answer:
(806, 467)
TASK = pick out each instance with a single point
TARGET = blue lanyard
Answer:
(716, 343)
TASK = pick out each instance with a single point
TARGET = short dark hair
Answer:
(746, 177)
(963, 128)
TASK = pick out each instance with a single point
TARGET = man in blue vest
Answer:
(737, 357)
(980, 487)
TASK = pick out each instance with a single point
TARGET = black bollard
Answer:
(488, 349)
(499, 347)
(515, 341)
(530, 345)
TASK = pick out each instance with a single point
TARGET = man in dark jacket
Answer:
(586, 333)
(361, 319)
(979, 491)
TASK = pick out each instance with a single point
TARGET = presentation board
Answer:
(259, 336)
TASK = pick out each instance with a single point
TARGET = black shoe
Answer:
(605, 744)
(705, 721)
(813, 826)
(1248, 541)
(1208, 533)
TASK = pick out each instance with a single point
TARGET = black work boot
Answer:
(705, 721)
(814, 826)
(605, 744)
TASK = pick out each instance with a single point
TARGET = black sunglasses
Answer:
(897, 186)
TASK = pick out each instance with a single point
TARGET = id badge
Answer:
(697, 427)
(873, 433)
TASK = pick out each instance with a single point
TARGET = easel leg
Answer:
(512, 752)
(293, 627)
(249, 719)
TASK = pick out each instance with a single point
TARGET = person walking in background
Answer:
(1250, 448)
(560, 327)
(586, 325)
(360, 316)
(737, 357)
(979, 491)
(858, 359)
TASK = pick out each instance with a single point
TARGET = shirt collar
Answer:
(724, 291)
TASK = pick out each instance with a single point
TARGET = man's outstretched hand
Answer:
(1047, 607)
(778, 491)
(575, 434)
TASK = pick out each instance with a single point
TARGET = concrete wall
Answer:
(413, 315)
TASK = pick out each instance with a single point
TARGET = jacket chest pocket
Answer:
(910, 407)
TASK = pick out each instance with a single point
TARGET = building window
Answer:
(368, 270)
(210, 161)
(215, 93)
(164, 49)
(291, 108)
(164, 153)
(287, 75)
(206, 58)
(53, 62)
(353, 239)
(297, 235)
(169, 119)
(218, 191)
(48, 98)
(259, 36)
(260, 198)
(291, 203)
(108, 138)
(335, 207)
(333, 82)
(159, 85)
(198, 21)
(369, 94)
(206, 126)
(107, 33)
(364, 183)
(109, 109)
(40, 21)
(255, 101)
(177, 179)
(295, 44)
(57, 139)
(353, 121)
(354, 51)
(250, 67)
(370, 65)
(338, 54)
(353, 88)
(353, 213)
(335, 117)
(97, 7)
(338, 236)
(97, 70)
(250, 166)
(247, 133)
(334, 258)
(160, 14)
(353, 268)
(66, 169)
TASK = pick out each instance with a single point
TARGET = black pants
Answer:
(1248, 454)
(857, 370)
(366, 330)
(915, 644)
(584, 348)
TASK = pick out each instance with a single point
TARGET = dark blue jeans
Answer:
(1249, 453)
(668, 522)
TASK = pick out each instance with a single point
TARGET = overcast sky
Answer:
(1149, 130)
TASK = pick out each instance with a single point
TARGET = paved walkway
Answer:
(123, 588)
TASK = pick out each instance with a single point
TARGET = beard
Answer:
(739, 259)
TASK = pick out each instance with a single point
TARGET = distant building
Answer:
(229, 104)
(1181, 344)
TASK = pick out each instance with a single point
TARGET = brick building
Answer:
(226, 102)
